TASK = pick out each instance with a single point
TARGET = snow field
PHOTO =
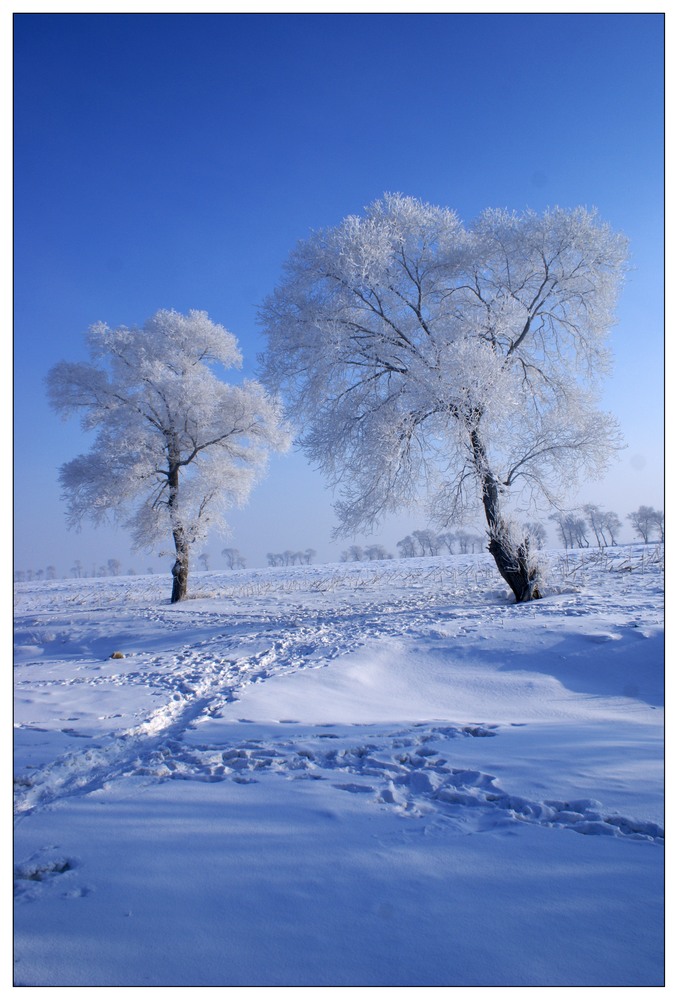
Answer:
(328, 776)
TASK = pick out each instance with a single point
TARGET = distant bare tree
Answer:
(594, 516)
(612, 525)
(375, 552)
(464, 539)
(659, 523)
(354, 553)
(309, 555)
(427, 541)
(645, 520)
(447, 540)
(233, 558)
(51, 572)
(204, 560)
(407, 547)
(572, 529)
(478, 543)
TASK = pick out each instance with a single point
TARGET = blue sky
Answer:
(173, 161)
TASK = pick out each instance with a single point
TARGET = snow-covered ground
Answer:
(382, 774)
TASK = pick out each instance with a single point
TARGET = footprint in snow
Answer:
(402, 770)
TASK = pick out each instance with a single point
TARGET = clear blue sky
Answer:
(172, 161)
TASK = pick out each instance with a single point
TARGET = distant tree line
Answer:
(426, 542)
(371, 553)
(290, 558)
(28, 575)
(576, 529)
(78, 571)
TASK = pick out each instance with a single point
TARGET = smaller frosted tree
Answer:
(645, 520)
(233, 558)
(175, 445)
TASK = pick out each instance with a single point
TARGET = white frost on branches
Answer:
(422, 357)
(175, 445)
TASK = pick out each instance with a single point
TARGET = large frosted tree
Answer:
(423, 358)
(175, 445)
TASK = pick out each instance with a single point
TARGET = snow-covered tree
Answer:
(571, 528)
(594, 516)
(354, 553)
(376, 552)
(603, 523)
(645, 520)
(612, 525)
(407, 546)
(420, 357)
(175, 445)
(233, 558)
(427, 540)
(659, 523)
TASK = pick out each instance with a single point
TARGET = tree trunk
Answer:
(180, 574)
(180, 568)
(512, 556)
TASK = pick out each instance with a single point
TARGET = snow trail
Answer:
(399, 768)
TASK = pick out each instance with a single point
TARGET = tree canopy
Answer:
(421, 357)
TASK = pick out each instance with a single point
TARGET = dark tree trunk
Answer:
(514, 564)
(180, 568)
(512, 556)
(180, 576)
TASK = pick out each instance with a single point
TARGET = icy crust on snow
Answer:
(409, 701)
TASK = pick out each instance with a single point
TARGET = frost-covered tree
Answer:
(175, 445)
(407, 546)
(612, 525)
(354, 553)
(594, 516)
(233, 558)
(645, 520)
(428, 542)
(571, 529)
(659, 523)
(376, 552)
(605, 524)
(423, 358)
(447, 540)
